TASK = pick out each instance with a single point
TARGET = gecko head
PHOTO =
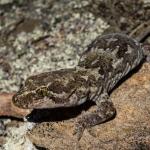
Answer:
(48, 90)
(40, 91)
(37, 98)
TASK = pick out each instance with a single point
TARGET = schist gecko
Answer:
(106, 60)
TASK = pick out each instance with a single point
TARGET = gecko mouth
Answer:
(31, 102)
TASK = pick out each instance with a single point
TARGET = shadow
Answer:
(57, 114)
(40, 148)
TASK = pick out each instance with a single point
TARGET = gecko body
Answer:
(104, 63)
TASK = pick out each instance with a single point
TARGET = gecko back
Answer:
(113, 56)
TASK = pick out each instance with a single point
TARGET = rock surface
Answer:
(130, 129)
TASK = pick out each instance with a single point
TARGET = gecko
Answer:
(101, 66)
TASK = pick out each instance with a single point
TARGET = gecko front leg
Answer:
(103, 111)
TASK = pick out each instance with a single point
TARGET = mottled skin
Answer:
(107, 60)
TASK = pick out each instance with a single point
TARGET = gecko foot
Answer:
(103, 111)
(78, 131)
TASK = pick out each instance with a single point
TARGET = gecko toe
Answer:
(78, 131)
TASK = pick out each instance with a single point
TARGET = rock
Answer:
(130, 129)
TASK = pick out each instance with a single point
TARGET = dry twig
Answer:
(8, 109)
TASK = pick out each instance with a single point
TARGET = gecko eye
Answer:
(42, 92)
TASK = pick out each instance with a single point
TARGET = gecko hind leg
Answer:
(104, 110)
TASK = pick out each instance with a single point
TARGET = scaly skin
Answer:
(107, 60)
